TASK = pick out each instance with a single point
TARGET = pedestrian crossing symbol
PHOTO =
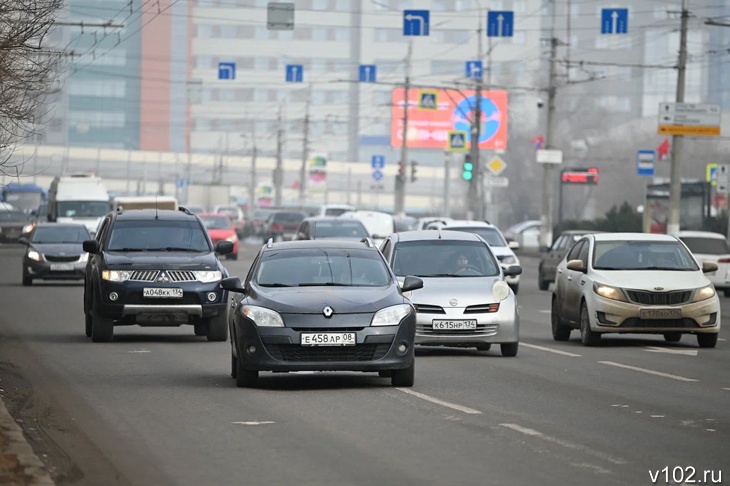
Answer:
(428, 100)
(457, 141)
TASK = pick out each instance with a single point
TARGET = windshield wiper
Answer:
(439, 275)
(126, 249)
(275, 285)
(174, 248)
(324, 284)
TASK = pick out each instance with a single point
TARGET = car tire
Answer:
(245, 378)
(587, 336)
(514, 287)
(561, 332)
(509, 350)
(405, 377)
(217, 327)
(102, 327)
(707, 340)
(726, 292)
(484, 347)
(234, 365)
(201, 329)
(27, 281)
(672, 337)
(542, 284)
(87, 315)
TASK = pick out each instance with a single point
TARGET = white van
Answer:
(335, 209)
(79, 197)
(144, 202)
(379, 225)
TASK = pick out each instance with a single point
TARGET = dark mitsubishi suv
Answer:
(154, 268)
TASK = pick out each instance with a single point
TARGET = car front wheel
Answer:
(561, 332)
(245, 378)
(541, 282)
(217, 327)
(509, 350)
(102, 327)
(587, 336)
(405, 377)
(707, 340)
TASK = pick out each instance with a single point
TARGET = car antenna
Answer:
(157, 216)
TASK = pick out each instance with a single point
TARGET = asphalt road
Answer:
(157, 406)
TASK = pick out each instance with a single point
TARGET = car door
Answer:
(563, 279)
(576, 281)
(553, 258)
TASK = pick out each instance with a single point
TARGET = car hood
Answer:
(466, 290)
(60, 249)
(312, 300)
(651, 280)
(170, 260)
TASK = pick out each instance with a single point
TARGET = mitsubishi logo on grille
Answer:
(454, 302)
(163, 277)
(327, 311)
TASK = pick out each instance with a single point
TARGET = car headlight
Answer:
(84, 258)
(233, 238)
(509, 260)
(116, 275)
(207, 276)
(391, 316)
(34, 255)
(500, 290)
(609, 292)
(703, 293)
(28, 228)
(262, 316)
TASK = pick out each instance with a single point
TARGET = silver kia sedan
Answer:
(634, 283)
(465, 301)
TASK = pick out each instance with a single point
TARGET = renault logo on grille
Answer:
(163, 277)
(327, 311)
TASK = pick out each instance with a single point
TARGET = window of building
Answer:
(202, 124)
(113, 57)
(228, 31)
(319, 97)
(342, 34)
(519, 6)
(343, 5)
(447, 67)
(382, 98)
(319, 33)
(260, 94)
(105, 88)
(320, 5)
(303, 33)
(204, 31)
(575, 10)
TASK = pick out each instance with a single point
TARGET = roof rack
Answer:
(270, 243)
(368, 242)
(184, 210)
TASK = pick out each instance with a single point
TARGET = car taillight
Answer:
(276, 227)
(723, 260)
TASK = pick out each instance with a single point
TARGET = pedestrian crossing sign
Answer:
(428, 100)
(457, 141)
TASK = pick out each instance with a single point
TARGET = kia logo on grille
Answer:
(454, 302)
(327, 311)
(658, 288)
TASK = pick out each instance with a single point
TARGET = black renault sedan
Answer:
(321, 305)
(54, 252)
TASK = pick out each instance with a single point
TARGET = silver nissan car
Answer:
(465, 301)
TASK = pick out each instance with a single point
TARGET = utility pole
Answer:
(252, 188)
(675, 185)
(475, 185)
(447, 184)
(400, 182)
(305, 153)
(279, 171)
(353, 122)
(548, 180)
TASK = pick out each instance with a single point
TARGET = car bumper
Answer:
(53, 271)
(279, 348)
(502, 326)
(611, 316)
(130, 307)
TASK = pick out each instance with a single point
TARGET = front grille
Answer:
(144, 275)
(481, 308)
(429, 309)
(187, 298)
(428, 330)
(62, 259)
(685, 323)
(181, 276)
(327, 329)
(659, 298)
(154, 275)
(295, 352)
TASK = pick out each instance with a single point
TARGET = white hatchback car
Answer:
(710, 247)
(634, 283)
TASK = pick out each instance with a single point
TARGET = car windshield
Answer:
(158, 236)
(60, 234)
(82, 209)
(322, 267)
(642, 255)
(444, 258)
(490, 235)
(13, 215)
(284, 218)
(25, 201)
(339, 229)
(706, 246)
(216, 222)
(261, 214)
(232, 212)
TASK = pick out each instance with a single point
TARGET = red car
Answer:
(220, 227)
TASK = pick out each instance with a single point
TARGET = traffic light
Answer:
(414, 168)
(401, 171)
(468, 169)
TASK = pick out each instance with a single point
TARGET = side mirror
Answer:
(224, 247)
(232, 284)
(23, 240)
(513, 271)
(577, 265)
(411, 283)
(709, 267)
(515, 245)
(91, 246)
(544, 249)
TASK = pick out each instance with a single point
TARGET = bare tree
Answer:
(27, 70)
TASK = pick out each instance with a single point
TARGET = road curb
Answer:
(28, 468)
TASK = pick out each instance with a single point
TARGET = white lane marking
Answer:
(721, 339)
(657, 416)
(140, 351)
(685, 352)
(263, 422)
(550, 350)
(711, 430)
(650, 372)
(728, 389)
(453, 406)
(564, 443)
(544, 311)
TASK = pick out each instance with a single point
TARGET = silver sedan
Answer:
(634, 283)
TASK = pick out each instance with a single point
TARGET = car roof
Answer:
(467, 222)
(321, 244)
(151, 214)
(315, 219)
(214, 215)
(419, 235)
(633, 237)
(580, 232)
(701, 234)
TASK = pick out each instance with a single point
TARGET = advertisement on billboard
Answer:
(317, 174)
(429, 127)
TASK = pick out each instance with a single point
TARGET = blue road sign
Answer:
(226, 70)
(500, 23)
(615, 21)
(182, 183)
(377, 175)
(427, 100)
(294, 73)
(645, 162)
(377, 161)
(415, 22)
(368, 73)
(474, 69)
(457, 140)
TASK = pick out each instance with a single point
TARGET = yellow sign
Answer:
(428, 100)
(711, 174)
(496, 165)
(697, 131)
(457, 141)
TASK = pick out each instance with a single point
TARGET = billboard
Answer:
(317, 174)
(429, 127)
